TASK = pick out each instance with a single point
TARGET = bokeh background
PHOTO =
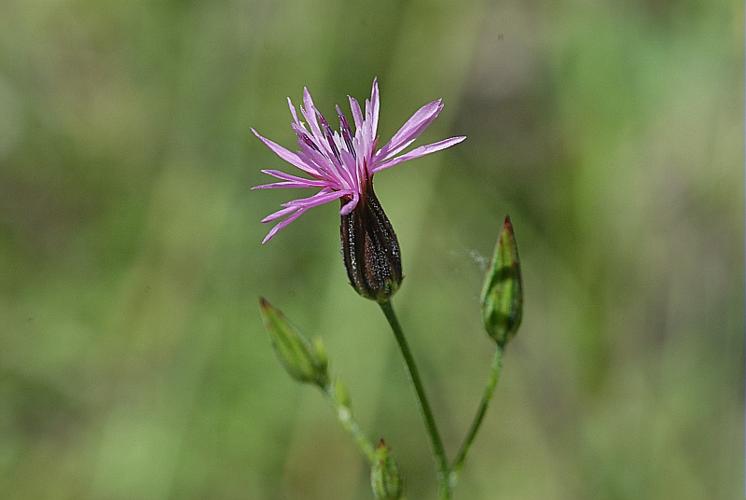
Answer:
(133, 364)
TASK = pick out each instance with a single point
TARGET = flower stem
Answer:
(344, 415)
(489, 390)
(427, 413)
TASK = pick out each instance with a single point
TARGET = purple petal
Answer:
(328, 135)
(293, 112)
(413, 127)
(357, 114)
(318, 199)
(286, 155)
(303, 138)
(420, 151)
(328, 163)
(309, 112)
(278, 214)
(344, 127)
(365, 143)
(333, 171)
(350, 205)
(320, 162)
(350, 164)
(375, 103)
(283, 225)
(294, 178)
(300, 207)
(284, 185)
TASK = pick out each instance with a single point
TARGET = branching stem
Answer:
(345, 417)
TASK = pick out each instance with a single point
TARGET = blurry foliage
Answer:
(132, 359)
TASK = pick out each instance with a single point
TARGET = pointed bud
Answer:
(370, 249)
(384, 476)
(502, 294)
(304, 361)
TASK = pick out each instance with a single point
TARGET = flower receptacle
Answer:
(370, 249)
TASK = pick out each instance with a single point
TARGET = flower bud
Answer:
(370, 249)
(304, 361)
(502, 294)
(384, 475)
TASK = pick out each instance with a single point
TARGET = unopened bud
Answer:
(384, 475)
(502, 294)
(304, 361)
(370, 249)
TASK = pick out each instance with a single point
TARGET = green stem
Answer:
(489, 390)
(344, 415)
(427, 413)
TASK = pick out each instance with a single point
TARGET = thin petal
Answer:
(357, 114)
(320, 162)
(375, 103)
(286, 155)
(300, 207)
(364, 138)
(331, 169)
(413, 127)
(280, 213)
(272, 232)
(350, 165)
(344, 127)
(309, 112)
(279, 174)
(284, 185)
(318, 199)
(305, 139)
(293, 112)
(420, 151)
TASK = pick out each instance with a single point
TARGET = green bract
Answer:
(502, 294)
(384, 476)
(304, 361)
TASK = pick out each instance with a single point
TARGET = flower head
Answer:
(341, 164)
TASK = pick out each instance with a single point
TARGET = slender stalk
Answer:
(489, 390)
(427, 413)
(344, 415)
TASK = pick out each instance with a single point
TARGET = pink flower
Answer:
(341, 164)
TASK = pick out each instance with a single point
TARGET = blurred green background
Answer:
(133, 364)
